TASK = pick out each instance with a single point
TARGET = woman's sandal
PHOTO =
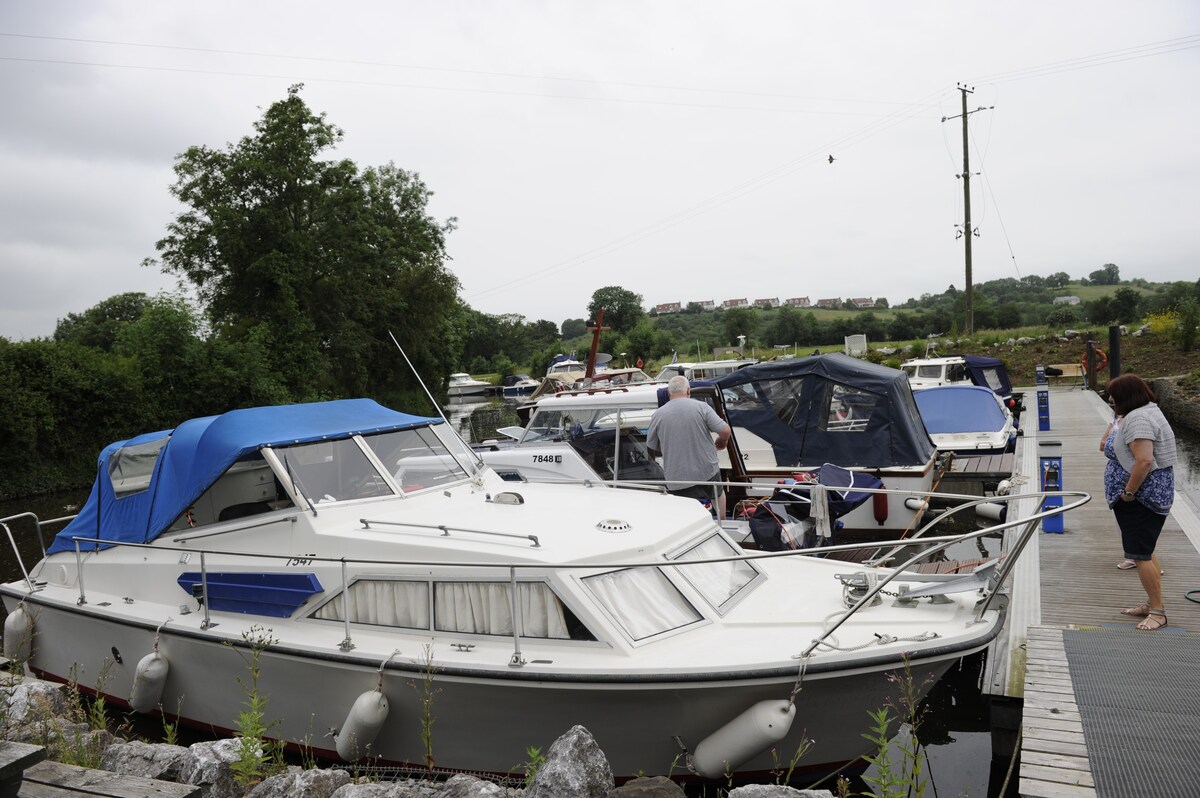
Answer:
(1127, 565)
(1140, 611)
(1151, 622)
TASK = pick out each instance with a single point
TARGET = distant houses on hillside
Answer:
(834, 303)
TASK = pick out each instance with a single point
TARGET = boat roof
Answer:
(636, 394)
(829, 409)
(960, 408)
(197, 452)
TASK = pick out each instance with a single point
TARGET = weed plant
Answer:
(426, 693)
(257, 758)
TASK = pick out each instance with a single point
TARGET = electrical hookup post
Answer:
(1043, 399)
(1050, 467)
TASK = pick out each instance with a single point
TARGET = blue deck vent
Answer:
(276, 595)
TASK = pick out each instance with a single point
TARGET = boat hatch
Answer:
(275, 595)
(475, 607)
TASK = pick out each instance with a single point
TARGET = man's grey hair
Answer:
(678, 385)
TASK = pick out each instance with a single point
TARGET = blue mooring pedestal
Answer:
(1050, 467)
(1043, 399)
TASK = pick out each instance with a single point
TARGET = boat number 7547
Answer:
(306, 560)
(547, 458)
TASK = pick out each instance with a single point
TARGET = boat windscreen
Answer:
(416, 458)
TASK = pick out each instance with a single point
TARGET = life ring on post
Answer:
(1101, 359)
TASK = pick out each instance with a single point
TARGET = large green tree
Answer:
(315, 259)
(99, 325)
(622, 307)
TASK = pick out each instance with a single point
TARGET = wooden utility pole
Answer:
(966, 176)
(967, 230)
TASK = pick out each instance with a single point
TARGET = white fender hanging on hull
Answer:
(750, 733)
(362, 725)
(18, 635)
(148, 682)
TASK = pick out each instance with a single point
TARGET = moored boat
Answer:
(515, 385)
(382, 573)
(462, 384)
(967, 419)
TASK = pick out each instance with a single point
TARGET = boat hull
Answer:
(483, 720)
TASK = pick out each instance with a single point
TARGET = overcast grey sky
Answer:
(678, 149)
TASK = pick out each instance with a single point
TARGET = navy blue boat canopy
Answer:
(989, 373)
(829, 409)
(173, 468)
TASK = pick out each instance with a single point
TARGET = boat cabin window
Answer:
(130, 467)
(643, 601)
(417, 458)
(718, 582)
(991, 376)
(482, 608)
(925, 372)
(847, 409)
(382, 602)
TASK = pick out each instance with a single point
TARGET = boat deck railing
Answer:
(987, 578)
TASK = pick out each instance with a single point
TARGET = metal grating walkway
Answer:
(1140, 708)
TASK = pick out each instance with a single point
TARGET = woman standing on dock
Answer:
(1139, 485)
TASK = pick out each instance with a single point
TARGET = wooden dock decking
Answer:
(1070, 580)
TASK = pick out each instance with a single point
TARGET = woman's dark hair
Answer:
(1129, 392)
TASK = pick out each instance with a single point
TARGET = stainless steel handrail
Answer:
(17, 553)
(445, 529)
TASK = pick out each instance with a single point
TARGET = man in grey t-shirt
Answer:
(682, 431)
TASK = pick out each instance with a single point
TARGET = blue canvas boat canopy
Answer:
(952, 409)
(829, 409)
(181, 464)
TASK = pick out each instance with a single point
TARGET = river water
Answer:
(957, 730)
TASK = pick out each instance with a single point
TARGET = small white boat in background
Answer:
(382, 572)
(463, 384)
(987, 372)
(515, 385)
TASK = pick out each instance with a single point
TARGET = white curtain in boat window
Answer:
(484, 608)
(383, 603)
(716, 581)
(643, 601)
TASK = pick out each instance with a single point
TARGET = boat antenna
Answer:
(432, 401)
(417, 374)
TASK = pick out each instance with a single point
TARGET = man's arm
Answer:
(723, 437)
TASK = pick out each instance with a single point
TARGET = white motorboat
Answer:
(463, 384)
(515, 385)
(389, 580)
(987, 372)
(968, 419)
